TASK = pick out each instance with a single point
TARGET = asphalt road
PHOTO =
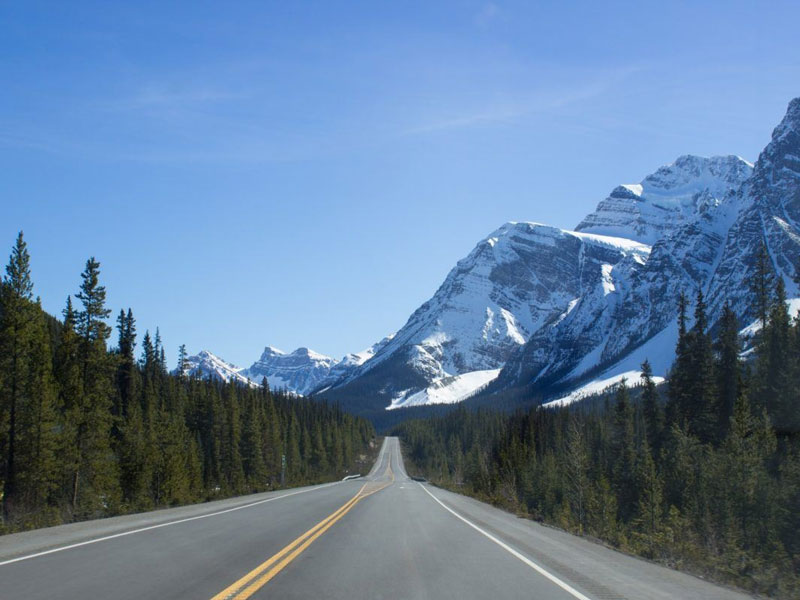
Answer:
(381, 536)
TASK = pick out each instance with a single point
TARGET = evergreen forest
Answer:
(90, 430)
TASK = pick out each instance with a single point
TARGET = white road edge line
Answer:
(124, 533)
(563, 585)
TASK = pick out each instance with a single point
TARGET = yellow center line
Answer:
(254, 580)
(229, 591)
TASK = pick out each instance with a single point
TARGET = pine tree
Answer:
(651, 407)
(68, 377)
(126, 368)
(182, 360)
(95, 480)
(39, 422)
(16, 320)
(761, 283)
(148, 358)
(700, 408)
(27, 395)
(678, 388)
(729, 375)
(650, 507)
(774, 385)
(577, 472)
(623, 453)
(748, 447)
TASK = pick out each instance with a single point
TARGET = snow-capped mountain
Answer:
(300, 371)
(537, 308)
(541, 312)
(206, 365)
(672, 196)
(607, 335)
(304, 371)
(521, 277)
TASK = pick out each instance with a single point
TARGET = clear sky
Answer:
(306, 173)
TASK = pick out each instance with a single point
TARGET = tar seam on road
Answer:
(253, 581)
(563, 585)
(124, 533)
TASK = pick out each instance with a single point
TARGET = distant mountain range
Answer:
(538, 313)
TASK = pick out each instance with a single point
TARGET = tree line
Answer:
(88, 431)
(702, 473)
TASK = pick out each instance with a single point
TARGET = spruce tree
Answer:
(701, 401)
(761, 283)
(729, 375)
(650, 506)
(39, 424)
(126, 367)
(577, 472)
(16, 322)
(651, 407)
(680, 373)
(774, 385)
(95, 479)
(27, 396)
(623, 453)
(748, 447)
(182, 360)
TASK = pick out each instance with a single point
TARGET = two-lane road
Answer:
(382, 536)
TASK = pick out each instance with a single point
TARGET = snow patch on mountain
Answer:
(599, 386)
(447, 390)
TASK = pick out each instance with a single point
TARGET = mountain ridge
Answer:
(542, 310)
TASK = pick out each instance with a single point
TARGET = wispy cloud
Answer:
(521, 104)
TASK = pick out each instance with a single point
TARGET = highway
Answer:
(380, 536)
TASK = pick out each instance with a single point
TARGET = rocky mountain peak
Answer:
(675, 194)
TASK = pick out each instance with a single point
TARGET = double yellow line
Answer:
(261, 575)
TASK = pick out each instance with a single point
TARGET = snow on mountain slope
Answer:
(673, 195)
(446, 390)
(599, 386)
(519, 278)
(206, 365)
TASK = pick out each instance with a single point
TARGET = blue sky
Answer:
(307, 173)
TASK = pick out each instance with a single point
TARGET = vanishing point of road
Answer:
(380, 536)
